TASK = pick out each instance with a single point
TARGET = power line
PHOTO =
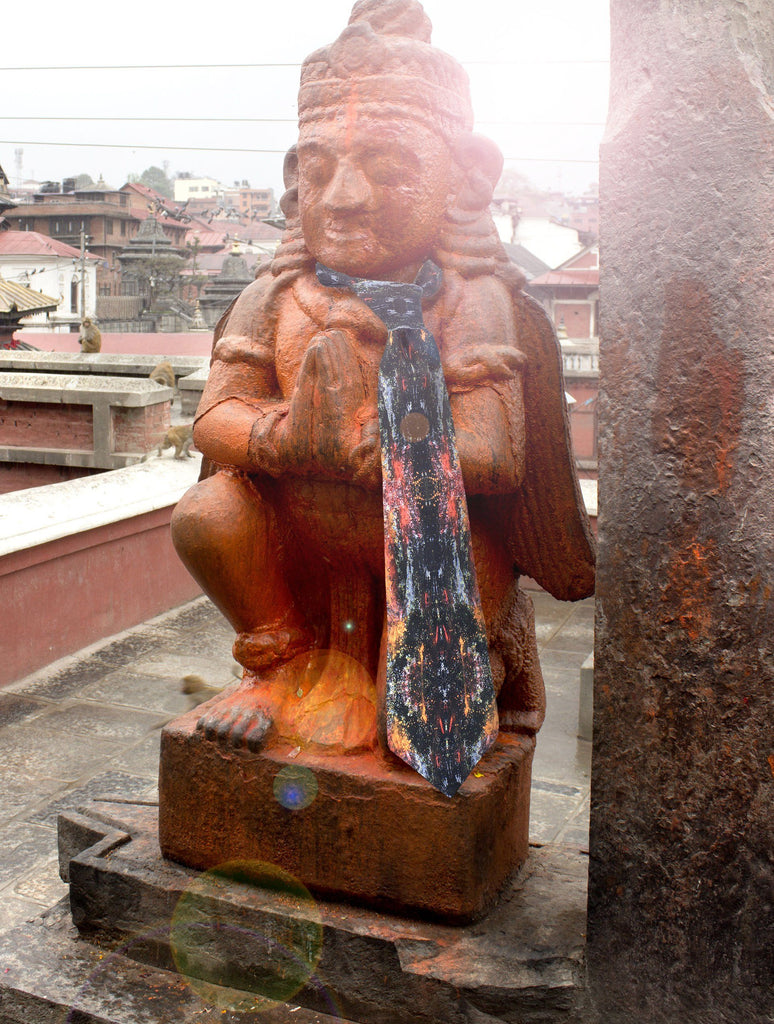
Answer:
(239, 149)
(255, 67)
(128, 145)
(275, 120)
(213, 120)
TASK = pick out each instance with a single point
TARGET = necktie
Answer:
(440, 700)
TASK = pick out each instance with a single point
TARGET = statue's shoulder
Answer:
(247, 313)
(477, 310)
(265, 310)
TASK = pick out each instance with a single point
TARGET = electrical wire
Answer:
(256, 67)
(275, 120)
(239, 149)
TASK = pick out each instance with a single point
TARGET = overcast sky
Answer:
(543, 62)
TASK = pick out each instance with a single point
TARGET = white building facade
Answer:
(53, 268)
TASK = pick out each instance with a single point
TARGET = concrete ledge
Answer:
(191, 388)
(40, 515)
(101, 363)
(87, 558)
(80, 388)
(586, 699)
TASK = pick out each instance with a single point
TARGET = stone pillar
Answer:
(681, 902)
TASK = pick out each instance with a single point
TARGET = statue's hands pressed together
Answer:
(314, 433)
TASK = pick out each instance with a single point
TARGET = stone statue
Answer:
(285, 530)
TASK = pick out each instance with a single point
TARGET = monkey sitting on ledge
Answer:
(90, 338)
(163, 374)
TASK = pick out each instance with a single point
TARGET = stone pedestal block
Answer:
(212, 943)
(354, 826)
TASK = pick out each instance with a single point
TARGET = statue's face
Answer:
(372, 194)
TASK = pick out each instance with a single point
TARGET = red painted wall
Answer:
(65, 595)
(576, 317)
(583, 418)
(18, 476)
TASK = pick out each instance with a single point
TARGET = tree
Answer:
(155, 178)
(514, 183)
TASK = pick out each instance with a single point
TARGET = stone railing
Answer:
(91, 422)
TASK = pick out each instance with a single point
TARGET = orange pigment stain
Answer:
(690, 575)
(771, 764)
(729, 392)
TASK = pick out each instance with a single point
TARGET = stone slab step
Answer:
(523, 962)
(49, 975)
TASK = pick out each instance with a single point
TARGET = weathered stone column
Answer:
(681, 913)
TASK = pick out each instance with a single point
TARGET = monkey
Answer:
(197, 690)
(163, 374)
(180, 438)
(90, 338)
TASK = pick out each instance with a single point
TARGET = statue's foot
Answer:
(259, 651)
(239, 718)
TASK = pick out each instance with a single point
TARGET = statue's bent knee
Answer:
(221, 530)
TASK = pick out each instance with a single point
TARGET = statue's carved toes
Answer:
(237, 719)
(259, 651)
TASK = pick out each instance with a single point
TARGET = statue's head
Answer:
(386, 158)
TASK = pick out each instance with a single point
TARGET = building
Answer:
(17, 301)
(198, 188)
(7, 202)
(251, 203)
(584, 217)
(98, 217)
(570, 295)
(55, 268)
(109, 218)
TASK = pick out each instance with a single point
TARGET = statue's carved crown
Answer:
(384, 58)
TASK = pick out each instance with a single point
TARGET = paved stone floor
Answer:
(89, 725)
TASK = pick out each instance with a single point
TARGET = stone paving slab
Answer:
(101, 722)
(50, 976)
(34, 748)
(142, 759)
(108, 784)
(127, 688)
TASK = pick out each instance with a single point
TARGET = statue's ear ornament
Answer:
(482, 163)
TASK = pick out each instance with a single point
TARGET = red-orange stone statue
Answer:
(286, 533)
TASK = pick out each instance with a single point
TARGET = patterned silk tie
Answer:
(440, 700)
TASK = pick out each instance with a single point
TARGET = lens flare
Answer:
(295, 787)
(233, 965)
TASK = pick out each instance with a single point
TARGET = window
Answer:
(123, 227)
